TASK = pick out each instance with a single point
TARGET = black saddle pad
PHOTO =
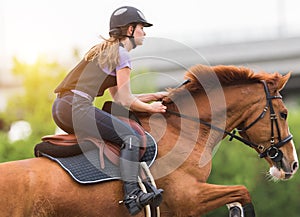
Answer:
(85, 168)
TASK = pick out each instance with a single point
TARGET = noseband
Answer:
(273, 151)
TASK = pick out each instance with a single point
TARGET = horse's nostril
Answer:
(287, 176)
(295, 166)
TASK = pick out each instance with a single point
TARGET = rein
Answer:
(273, 151)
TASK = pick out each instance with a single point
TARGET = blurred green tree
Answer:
(34, 103)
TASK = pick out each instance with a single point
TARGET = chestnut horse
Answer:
(215, 101)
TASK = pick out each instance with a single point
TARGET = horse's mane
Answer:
(203, 78)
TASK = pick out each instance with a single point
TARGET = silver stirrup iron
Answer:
(146, 170)
(235, 207)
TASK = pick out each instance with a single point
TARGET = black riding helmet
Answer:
(124, 16)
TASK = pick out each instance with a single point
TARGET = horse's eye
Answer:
(283, 115)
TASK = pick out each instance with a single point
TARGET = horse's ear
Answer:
(283, 80)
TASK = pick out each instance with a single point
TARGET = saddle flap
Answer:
(86, 169)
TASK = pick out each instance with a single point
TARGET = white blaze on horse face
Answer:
(294, 152)
(295, 165)
(294, 161)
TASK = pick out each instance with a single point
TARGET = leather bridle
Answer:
(273, 151)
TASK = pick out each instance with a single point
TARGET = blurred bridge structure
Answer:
(171, 59)
(277, 55)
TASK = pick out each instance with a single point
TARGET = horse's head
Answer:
(269, 132)
(258, 112)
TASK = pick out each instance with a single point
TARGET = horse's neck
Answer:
(225, 109)
(241, 102)
(183, 136)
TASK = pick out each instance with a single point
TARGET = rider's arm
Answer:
(149, 97)
(122, 94)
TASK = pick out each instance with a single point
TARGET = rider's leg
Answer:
(135, 199)
(91, 121)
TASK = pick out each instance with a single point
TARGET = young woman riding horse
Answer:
(108, 66)
(40, 187)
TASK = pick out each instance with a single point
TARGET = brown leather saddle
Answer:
(66, 145)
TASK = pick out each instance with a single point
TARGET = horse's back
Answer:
(40, 187)
(19, 180)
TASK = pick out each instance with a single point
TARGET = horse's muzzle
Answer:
(285, 172)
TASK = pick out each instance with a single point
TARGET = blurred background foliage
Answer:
(233, 163)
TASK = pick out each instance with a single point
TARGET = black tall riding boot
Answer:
(135, 199)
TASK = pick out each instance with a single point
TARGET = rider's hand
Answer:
(157, 107)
